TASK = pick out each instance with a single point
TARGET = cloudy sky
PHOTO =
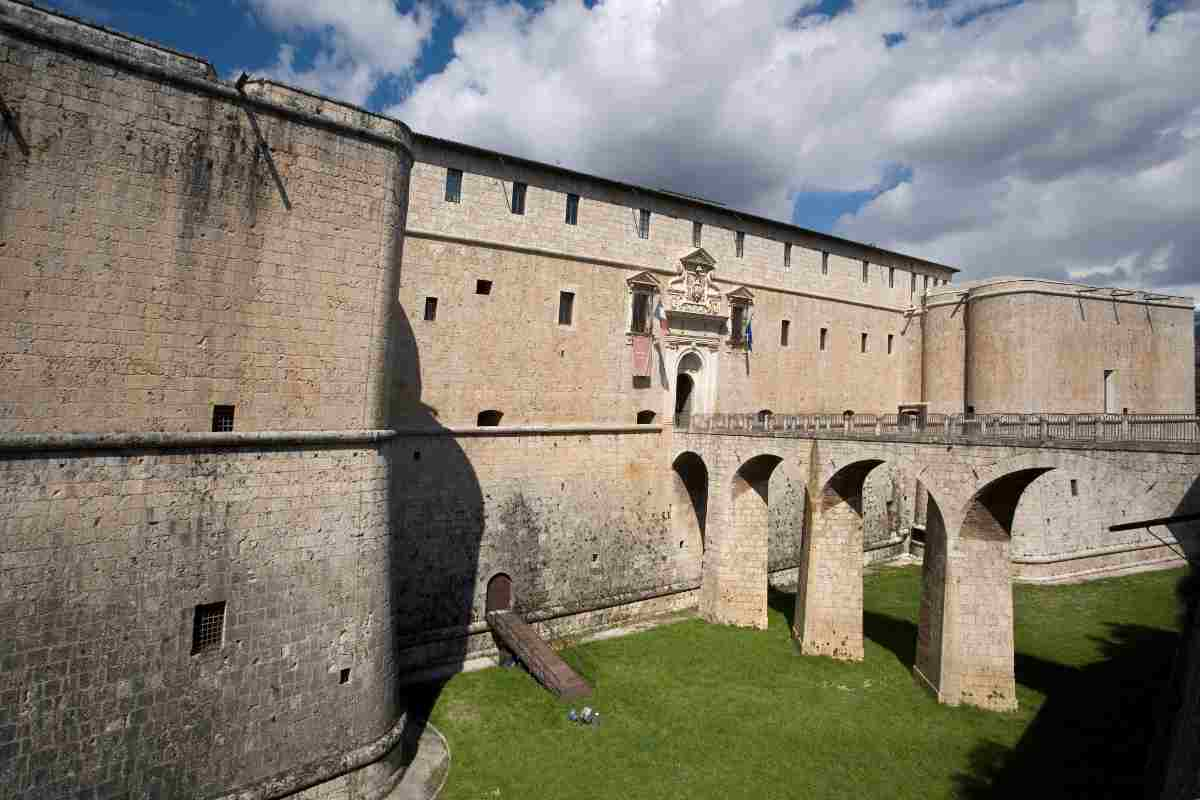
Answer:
(1052, 138)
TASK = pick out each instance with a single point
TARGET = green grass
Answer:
(692, 710)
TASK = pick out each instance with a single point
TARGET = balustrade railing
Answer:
(949, 427)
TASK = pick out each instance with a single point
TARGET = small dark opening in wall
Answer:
(645, 418)
(208, 626)
(1074, 488)
(595, 557)
(430, 309)
(222, 419)
(681, 544)
(416, 455)
(566, 307)
(344, 675)
(483, 287)
(489, 418)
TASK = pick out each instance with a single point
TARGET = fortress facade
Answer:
(285, 385)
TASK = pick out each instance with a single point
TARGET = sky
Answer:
(1055, 138)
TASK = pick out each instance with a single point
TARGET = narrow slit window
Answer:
(430, 309)
(787, 255)
(823, 339)
(697, 230)
(784, 329)
(1074, 488)
(483, 286)
(644, 223)
(824, 263)
(926, 286)
(866, 266)
(862, 344)
(891, 277)
(222, 419)
(208, 627)
(891, 338)
(572, 209)
(566, 307)
(740, 244)
(912, 289)
(453, 185)
(518, 198)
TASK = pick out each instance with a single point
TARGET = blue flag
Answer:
(749, 335)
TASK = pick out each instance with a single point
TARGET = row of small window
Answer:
(491, 418)
(517, 206)
(566, 304)
(864, 342)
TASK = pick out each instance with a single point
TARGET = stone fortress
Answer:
(287, 386)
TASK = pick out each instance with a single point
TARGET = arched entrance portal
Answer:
(499, 593)
(685, 384)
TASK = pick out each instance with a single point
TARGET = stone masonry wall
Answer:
(149, 266)
(106, 556)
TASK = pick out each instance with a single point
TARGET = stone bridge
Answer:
(964, 650)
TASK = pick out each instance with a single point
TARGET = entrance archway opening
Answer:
(685, 385)
(499, 593)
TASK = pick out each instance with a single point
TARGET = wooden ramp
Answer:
(543, 663)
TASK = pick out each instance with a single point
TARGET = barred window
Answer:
(787, 255)
(572, 209)
(208, 627)
(866, 268)
(453, 185)
(891, 277)
(740, 244)
(643, 223)
(518, 198)
(222, 419)
(825, 263)
(697, 228)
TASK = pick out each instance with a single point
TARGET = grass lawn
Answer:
(692, 710)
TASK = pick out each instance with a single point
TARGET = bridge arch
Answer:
(689, 512)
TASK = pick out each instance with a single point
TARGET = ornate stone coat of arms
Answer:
(692, 290)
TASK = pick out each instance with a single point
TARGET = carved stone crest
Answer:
(692, 290)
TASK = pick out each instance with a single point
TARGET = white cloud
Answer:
(361, 42)
(1050, 138)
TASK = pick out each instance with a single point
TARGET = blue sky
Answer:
(1000, 136)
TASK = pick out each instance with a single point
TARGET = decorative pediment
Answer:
(740, 295)
(644, 280)
(699, 257)
(692, 290)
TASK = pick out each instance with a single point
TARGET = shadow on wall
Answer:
(436, 522)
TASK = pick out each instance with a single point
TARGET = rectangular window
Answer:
(1074, 488)
(862, 346)
(787, 255)
(740, 244)
(824, 263)
(697, 229)
(644, 223)
(737, 322)
(912, 290)
(483, 287)
(208, 627)
(566, 307)
(926, 286)
(891, 337)
(430, 309)
(641, 313)
(572, 209)
(453, 185)
(823, 339)
(518, 198)
(891, 277)
(222, 420)
(784, 329)
(866, 266)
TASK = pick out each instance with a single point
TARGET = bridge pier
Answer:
(829, 592)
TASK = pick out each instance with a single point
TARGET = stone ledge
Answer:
(151, 440)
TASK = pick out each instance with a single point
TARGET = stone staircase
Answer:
(543, 663)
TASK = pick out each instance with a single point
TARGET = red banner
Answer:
(641, 356)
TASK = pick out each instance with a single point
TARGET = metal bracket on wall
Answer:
(261, 143)
(1147, 523)
(10, 120)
